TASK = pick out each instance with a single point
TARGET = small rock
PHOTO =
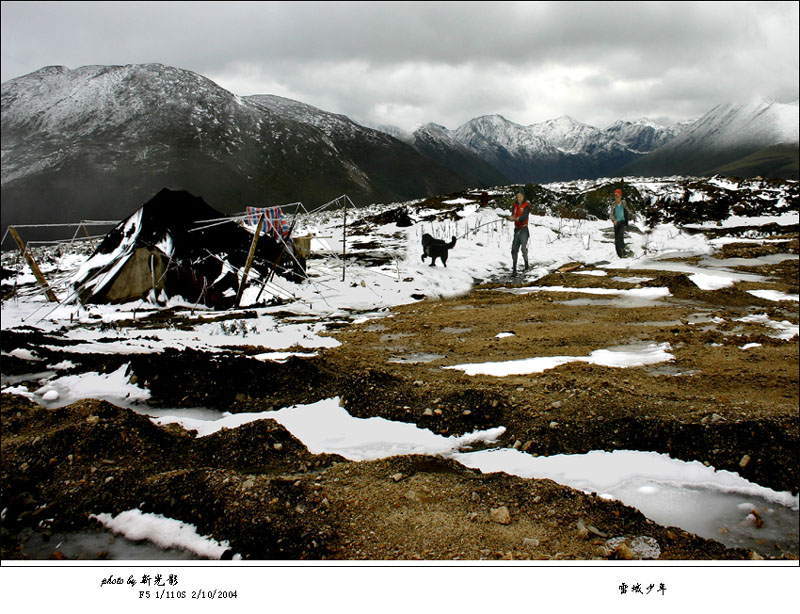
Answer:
(277, 446)
(527, 446)
(556, 404)
(428, 412)
(553, 424)
(93, 419)
(755, 556)
(517, 444)
(50, 395)
(603, 551)
(419, 382)
(300, 509)
(437, 411)
(475, 496)
(583, 532)
(500, 515)
(473, 516)
(745, 461)
(530, 542)
(622, 551)
(754, 518)
(596, 531)
(397, 477)
(248, 483)
(715, 417)
(466, 412)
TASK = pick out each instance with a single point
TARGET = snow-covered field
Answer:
(368, 290)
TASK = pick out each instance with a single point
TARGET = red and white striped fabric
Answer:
(275, 223)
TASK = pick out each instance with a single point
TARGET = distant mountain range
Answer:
(97, 141)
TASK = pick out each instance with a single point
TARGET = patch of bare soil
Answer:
(260, 488)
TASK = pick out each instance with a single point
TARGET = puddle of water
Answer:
(711, 266)
(393, 336)
(671, 370)
(713, 504)
(456, 330)
(96, 544)
(757, 261)
(376, 328)
(415, 358)
(622, 302)
(11, 380)
(632, 280)
(663, 324)
(196, 413)
(716, 515)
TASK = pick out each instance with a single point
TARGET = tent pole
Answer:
(34, 267)
(249, 260)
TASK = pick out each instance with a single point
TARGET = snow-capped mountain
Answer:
(513, 149)
(97, 141)
(727, 133)
(644, 135)
(437, 143)
(555, 150)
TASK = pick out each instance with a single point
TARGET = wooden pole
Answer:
(34, 267)
(249, 260)
(277, 261)
(344, 239)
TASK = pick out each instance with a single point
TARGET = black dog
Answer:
(436, 248)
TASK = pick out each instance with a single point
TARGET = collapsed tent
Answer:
(178, 245)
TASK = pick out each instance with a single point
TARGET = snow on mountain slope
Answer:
(574, 137)
(643, 135)
(760, 124)
(490, 131)
(726, 133)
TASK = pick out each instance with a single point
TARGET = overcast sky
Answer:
(410, 63)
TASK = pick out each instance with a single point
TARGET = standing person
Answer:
(620, 214)
(519, 215)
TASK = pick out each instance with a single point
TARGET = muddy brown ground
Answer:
(259, 488)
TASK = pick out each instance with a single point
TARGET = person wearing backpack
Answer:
(620, 214)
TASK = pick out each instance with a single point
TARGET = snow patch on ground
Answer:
(621, 358)
(325, 427)
(162, 531)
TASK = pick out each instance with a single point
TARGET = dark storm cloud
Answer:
(445, 62)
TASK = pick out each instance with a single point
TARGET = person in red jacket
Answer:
(519, 215)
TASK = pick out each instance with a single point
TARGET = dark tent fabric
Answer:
(166, 248)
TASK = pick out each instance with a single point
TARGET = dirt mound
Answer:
(59, 466)
(398, 216)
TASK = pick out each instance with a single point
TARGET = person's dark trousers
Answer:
(520, 242)
(619, 238)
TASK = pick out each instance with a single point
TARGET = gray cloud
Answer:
(406, 63)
